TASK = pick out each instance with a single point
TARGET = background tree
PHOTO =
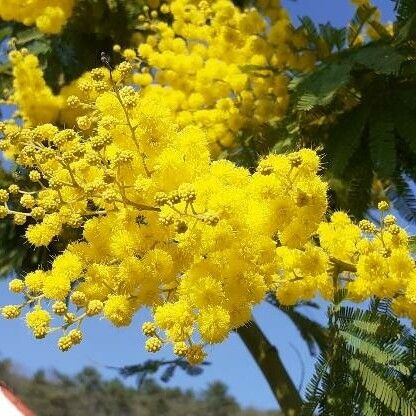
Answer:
(56, 394)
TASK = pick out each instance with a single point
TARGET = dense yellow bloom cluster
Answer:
(48, 15)
(367, 260)
(36, 101)
(198, 242)
(163, 225)
(217, 67)
(221, 67)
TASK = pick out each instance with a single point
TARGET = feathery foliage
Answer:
(368, 369)
(404, 9)
(358, 106)
(150, 368)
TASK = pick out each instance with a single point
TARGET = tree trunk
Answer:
(267, 358)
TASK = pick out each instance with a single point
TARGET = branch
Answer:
(268, 360)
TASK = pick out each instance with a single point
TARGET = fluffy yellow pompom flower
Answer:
(16, 286)
(38, 318)
(78, 298)
(41, 234)
(153, 344)
(195, 354)
(56, 287)
(34, 281)
(68, 265)
(76, 336)
(34, 98)
(11, 311)
(94, 307)
(180, 349)
(48, 15)
(149, 329)
(59, 308)
(65, 343)
(214, 324)
(119, 310)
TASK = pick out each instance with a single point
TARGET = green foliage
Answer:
(369, 368)
(333, 37)
(405, 9)
(363, 15)
(401, 192)
(150, 367)
(359, 107)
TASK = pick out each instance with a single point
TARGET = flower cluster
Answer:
(163, 226)
(48, 15)
(199, 242)
(367, 260)
(36, 101)
(221, 67)
(217, 66)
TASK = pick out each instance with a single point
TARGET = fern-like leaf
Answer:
(362, 15)
(405, 9)
(405, 125)
(345, 138)
(370, 369)
(402, 193)
(382, 144)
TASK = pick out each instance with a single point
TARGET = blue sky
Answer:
(338, 12)
(107, 346)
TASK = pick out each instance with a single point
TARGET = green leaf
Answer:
(334, 37)
(412, 243)
(368, 369)
(308, 26)
(40, 47)
(362, 15)
(405, 125)
(345, 138)
(384, 355)
(5, 32)
(330, 78)
(407, 31)
(402, 195)
(322, 84)
(381, 388)
(382, 144)
(405, 9)
(382, 58)
(352, 192)
(28, 35)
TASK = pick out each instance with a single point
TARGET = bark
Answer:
(268, 360)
